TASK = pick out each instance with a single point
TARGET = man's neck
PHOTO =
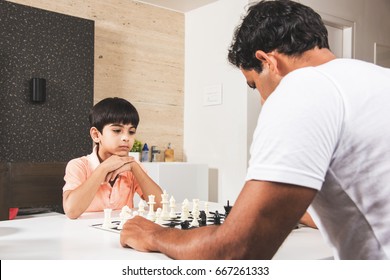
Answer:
(314, 57)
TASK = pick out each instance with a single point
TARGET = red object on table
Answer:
(13, 212)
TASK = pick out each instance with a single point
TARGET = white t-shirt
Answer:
(328, 128)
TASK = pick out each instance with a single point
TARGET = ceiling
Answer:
(178, 5)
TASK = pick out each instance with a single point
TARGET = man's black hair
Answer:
(281, 25)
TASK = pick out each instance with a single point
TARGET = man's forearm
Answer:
(189, 244)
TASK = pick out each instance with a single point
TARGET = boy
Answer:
(108, 177)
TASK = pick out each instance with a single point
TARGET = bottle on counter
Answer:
(145, 153)
(169, 154)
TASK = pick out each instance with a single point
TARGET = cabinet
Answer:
(31, 185)
(180, 179)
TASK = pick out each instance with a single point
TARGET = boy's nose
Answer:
(125, 138)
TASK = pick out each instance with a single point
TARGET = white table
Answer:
(54, 236)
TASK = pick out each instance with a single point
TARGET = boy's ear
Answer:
(95, 134)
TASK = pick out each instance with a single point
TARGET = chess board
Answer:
(172, 223)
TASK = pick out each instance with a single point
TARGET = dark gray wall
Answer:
(59, 48)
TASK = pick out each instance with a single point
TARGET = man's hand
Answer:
(138, 233)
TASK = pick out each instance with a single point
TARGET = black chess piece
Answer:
(217, 218)
(185, 224)
(227, 209)
(203, 218)
(172, 224)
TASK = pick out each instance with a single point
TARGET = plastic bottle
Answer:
(169, 154)
(145, 153)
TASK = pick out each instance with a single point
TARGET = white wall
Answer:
(215, 135)
(219, 135)
(371, 17)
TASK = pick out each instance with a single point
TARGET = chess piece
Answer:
(206, 210)
(125, 214)
(172, 206)
(217, 218)
(194, 222)
(141, 208)
(164, 203)
(195, 213)
(159, 218)
(185, 213)
(151, 215)
(107, 219)
(203, 218)
(195, 208)
(172, 224)
(227, 209)
(185, 224)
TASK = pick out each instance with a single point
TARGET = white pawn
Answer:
(141, 208)
(151, 215)
(164, 203)
(206, 210)
(159, 219)
(172, 206)
(107, 219)
(185, 213)
(195, 222)
(195, 208)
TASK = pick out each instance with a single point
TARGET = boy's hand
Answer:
(115, 165)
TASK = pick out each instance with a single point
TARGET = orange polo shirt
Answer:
(115, 197)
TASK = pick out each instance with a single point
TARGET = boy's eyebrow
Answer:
(120, 125)
(116, 124)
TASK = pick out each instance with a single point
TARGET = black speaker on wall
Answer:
(38, 90)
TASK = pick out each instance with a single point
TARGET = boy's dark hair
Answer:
(113, 110)
(282, 25)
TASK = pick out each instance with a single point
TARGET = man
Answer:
(322, 140)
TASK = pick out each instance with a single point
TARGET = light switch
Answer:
(212, 95)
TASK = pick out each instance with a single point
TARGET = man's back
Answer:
(356, 191)
(327, 128)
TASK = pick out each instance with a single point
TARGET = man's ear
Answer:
(95, 134)
(268, 59)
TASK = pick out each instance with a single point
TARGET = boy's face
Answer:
(115, 139)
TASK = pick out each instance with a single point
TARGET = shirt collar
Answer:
(93, 158)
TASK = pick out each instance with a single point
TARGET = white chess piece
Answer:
(107, 219)
(126, 211)
(125, 214)
(172, 206)
(151, 214)
(164, 203)
(185, 213)
(195, 222)
(206, 210)
(195, 208)
(159, 218)
(141, 208)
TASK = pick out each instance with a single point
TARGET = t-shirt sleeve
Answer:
(75, 174)
(298, 130)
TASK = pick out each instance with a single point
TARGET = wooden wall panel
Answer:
(139, 55)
